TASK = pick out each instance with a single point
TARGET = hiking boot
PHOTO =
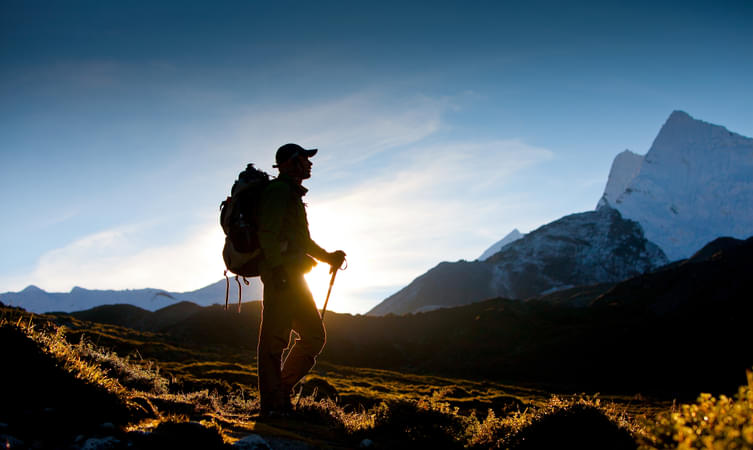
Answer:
(280, 408)
(287, 405)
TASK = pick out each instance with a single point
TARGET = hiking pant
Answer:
(292, 308)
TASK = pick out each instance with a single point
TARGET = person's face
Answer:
(298, 167)
(305, 165)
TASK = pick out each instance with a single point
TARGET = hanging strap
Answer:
(227, 288)
(245, 281)
(240, 289)
(239, 292)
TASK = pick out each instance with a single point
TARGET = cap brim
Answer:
(310, 152)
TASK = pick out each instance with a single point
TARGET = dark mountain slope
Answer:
(138, 318)
(681, 329)
(715, 278)
(122, 314)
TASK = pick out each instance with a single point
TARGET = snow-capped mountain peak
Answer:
(693, 185)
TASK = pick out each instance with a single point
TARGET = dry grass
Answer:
(711, 422)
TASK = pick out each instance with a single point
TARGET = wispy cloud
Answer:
(349, 129)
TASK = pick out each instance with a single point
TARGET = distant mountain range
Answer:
(693, 185)
(39, 301)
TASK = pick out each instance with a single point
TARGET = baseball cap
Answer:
(290, 151)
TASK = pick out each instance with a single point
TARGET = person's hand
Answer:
(278, 277)
(335, 260)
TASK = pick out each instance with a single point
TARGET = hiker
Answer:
(288, 305)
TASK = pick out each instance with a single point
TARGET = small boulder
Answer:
(252, 442)
(105, 443)
(319, 388)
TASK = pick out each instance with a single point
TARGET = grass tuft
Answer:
(711, 422)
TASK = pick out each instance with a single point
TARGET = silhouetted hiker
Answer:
(288, 304)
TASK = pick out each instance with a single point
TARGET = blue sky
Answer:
(442, 125)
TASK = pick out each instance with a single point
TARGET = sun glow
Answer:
(319, 278)
(318, 281)
(334, 230)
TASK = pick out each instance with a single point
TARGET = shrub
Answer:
(710, 422)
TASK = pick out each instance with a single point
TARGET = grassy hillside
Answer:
(145, 390)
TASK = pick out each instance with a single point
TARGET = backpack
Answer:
(242, 252)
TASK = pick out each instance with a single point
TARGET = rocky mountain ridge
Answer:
(579, 249)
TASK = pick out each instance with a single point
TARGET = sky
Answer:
(441, 126)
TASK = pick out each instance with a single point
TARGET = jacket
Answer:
(284, 230)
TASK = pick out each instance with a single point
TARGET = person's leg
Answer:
(308, 324)
(274, 334)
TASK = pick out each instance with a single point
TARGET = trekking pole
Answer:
(329, 291)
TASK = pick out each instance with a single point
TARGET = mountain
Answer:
(694, 185)
(579, 249)
(37, 300)
(513, 236)
(137, 318)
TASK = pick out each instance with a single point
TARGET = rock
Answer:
(279, 443)
(105, 443)
(252, 442)
(184, 435)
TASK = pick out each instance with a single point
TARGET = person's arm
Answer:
(313, 249)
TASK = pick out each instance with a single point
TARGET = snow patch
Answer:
(513, 236)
